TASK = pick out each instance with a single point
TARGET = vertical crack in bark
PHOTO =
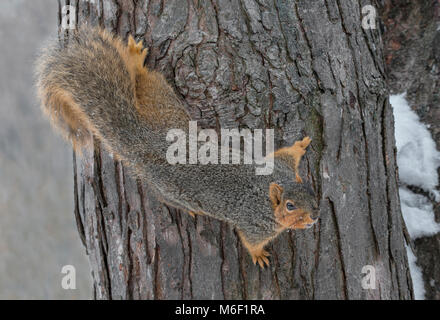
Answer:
(117, 172)
(98, 184)
(144, 225)
(130, 257)
(223, 257)
(186, 257)
(387, 196)
(83, 202)
(76, 4)
(126, 238)
(157, 288)
(122, 215)
(341, 128)
(367, 165)
(291, 245)
(275, 274)
(105, 285)
(327, 9)
(242, 273)
(341, 256)
(258, 291)
(100, 12)
(118, 14)
(59, 13)
(190, 262)
(101, 223)
(318, 246)
(271, 100)
(78, 218)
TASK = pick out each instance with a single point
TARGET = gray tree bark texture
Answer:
(299, 67)
(412, 51)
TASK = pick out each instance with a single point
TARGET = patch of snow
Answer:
(417, 156)
(418, 160)
(418, 214)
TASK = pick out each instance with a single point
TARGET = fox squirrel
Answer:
(97, 84)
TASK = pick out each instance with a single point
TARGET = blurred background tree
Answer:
(37, 228)
(412, 56)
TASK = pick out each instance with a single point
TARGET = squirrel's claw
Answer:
(131, 40)
(261, 258)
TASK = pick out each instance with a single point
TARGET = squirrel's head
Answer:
(294, 205)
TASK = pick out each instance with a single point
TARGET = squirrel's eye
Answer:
(290, 206)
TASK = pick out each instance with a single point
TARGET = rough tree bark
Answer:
(300, 67)
(412, 51)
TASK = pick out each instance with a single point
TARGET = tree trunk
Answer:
(300, 67)
(412, 50)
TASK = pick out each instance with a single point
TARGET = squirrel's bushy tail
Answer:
(85, 87)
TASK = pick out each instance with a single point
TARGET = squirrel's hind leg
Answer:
(295, 153)
(298, 150)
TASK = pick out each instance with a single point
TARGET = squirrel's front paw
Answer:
(260, 256)
(256, 250)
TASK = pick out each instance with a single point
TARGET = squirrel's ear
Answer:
(275, 192)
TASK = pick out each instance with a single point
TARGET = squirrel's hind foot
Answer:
(136, 52)
(304, 143)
